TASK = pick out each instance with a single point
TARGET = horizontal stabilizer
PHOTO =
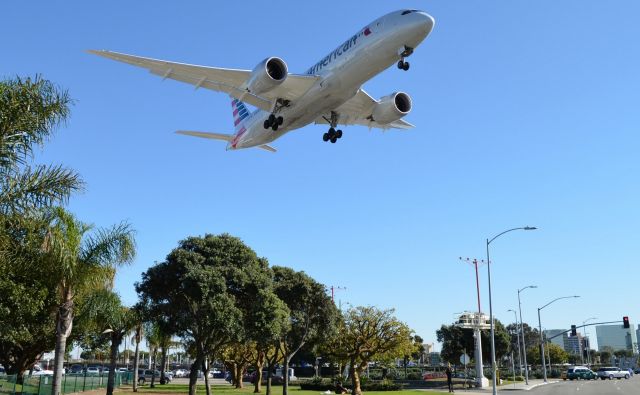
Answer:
(206, 135)
(267, 148)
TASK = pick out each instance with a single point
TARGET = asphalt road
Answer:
(591, 387)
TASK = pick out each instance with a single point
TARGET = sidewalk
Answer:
(519, 386)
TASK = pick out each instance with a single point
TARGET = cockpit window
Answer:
(408, 12)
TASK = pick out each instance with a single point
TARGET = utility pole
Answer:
(335, 288)
(481, 381)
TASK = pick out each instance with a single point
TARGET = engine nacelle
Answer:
(267, 75)
(391, 108)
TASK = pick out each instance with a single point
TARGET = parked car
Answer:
(2, 371)
(38, 371)
(76, 369)
(181, 373)
(93, 370)
(579, 373)
(145, 375)
(612, 372)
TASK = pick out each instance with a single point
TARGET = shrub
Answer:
(414, 376)
(383, 385)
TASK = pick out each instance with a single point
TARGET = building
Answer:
(434, 359)
(558, 337)
(616, 337)
(574, 345)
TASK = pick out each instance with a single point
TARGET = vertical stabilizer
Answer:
(240, 113)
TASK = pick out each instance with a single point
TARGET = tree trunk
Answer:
(136, 362)
(152, 362)
(64, 323)
(257, 387)
(269, 381)
(285, 375)
(205, 369)
(116, 338)
(193, 375)
(238, 369)
(164, 362)
(355, 378)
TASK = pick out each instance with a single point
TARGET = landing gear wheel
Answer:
(272, 118)
(274, 127)
(401, 64)
(406, 66)
(280, 120)
(325, 137)
(266, 124)
(333, 140)
(339, 133)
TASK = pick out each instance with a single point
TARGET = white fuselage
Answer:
(342, 72)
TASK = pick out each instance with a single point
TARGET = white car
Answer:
(93, 370)
(611, 372)
(38, 371)
(181, 373)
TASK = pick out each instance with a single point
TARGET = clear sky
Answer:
(526, 113)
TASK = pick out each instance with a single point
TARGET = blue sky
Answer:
(526, 114)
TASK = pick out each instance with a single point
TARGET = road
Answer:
(590, 387)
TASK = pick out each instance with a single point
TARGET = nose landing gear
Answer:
(402, 65)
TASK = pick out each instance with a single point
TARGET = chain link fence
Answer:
(71, 383)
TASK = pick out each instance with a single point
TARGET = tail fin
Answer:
(240, 113)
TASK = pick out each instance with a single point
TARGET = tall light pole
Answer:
(515, 315)
(589, 343)
(524, 345)
(544, 365)
(493, 339)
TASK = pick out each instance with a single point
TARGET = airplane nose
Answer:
(424, 22)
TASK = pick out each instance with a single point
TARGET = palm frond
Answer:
(37, 187)
(30, 110)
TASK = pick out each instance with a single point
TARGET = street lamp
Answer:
(589, 343)
(493, 340)
(515, 315)
(544, 365)
(524, 345)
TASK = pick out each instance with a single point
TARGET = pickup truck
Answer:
(611, 372)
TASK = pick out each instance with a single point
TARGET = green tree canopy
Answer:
(206, 287)
(455, 341)
(367, 334)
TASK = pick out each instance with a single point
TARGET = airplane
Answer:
(329, 92)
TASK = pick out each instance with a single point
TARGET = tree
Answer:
(312, 314)
(78, 261)
(137, 338)
(106, 318)
(367, 334)
(30, 112)
(455, 341)
(203, 287)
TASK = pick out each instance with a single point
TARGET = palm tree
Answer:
(78, 259)
(30, 111)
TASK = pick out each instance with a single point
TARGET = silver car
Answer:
(611, 372)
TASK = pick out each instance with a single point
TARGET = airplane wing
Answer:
(357, 111)
(218, 79)
(220, 136)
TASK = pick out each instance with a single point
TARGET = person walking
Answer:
(449, 375)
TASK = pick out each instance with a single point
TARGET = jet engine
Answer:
(267, 75)
(391, 108)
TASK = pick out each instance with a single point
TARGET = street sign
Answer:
(464, 359)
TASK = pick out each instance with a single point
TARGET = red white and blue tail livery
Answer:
(329, 92)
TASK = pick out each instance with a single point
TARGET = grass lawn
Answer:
(248, 390)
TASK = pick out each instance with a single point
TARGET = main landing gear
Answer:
(402, 65)
(332, 135)
(273, 122)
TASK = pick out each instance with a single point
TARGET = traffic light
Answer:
(573, 330)
(625, 321)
